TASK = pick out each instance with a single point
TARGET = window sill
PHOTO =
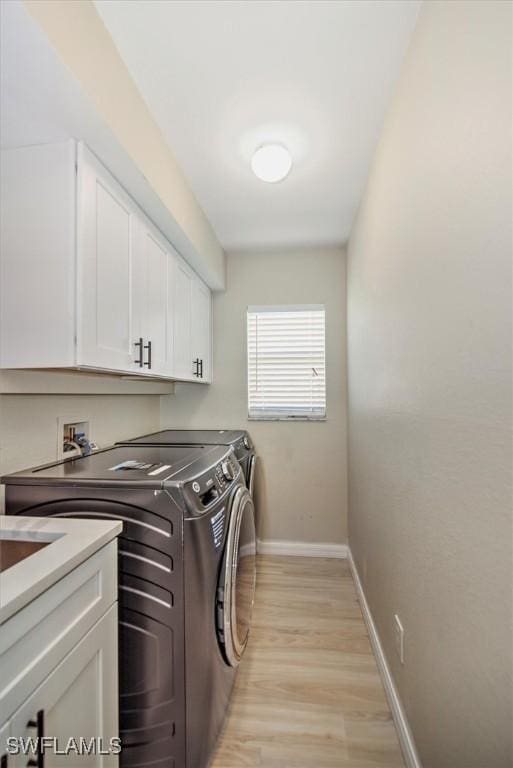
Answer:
(287, 418)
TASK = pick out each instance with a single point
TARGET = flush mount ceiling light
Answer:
(271, 162)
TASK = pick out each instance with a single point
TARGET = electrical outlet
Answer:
(399, 638)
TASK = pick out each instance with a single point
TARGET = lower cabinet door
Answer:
(5, 731)
(75, 710)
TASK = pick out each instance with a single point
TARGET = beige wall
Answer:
(429, 351)
(302, 486)
(28, 423)
(79, 36)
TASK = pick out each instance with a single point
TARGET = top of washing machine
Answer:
(200, 468)
(238, 438)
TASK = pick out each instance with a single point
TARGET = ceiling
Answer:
(223, 77)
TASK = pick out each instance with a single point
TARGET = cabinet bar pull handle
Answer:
(38, 723)
(140, 345)
(201, 369)
(148, 347)
(195, 365)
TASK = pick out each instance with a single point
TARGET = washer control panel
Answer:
(204, 490)
(225, 473)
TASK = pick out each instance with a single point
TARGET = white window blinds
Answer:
(286, 362)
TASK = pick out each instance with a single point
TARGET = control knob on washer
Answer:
(227, 470)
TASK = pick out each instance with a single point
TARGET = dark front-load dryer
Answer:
(238, 438)
(186, 584)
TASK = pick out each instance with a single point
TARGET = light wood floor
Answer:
(308, 693)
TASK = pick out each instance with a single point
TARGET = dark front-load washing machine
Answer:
(186, 583)
(238, 438)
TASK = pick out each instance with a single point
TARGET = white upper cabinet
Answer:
(157, 332)
(105, 248)
(201, 325)
(182, 365)
(151, 326)
(192, 326)
(86, 280)
(37, 264)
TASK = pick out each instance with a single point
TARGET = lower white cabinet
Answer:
(5, 731)
(62, 686)
(86, 280)
(76, 705)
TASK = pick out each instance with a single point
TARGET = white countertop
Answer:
(72, 542)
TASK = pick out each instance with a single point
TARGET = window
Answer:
(286, 362)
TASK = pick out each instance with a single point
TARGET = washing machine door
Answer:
(239, 576)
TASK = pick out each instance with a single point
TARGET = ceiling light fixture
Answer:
(271, 163)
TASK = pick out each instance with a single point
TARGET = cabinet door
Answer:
(149, 304)
(182, 353)
(157, 304)
(37, 256)
(5, 732)
(78, 699)
(105, 234)
(201, 328)
(139, 294)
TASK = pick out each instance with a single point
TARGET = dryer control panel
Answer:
(242, 447)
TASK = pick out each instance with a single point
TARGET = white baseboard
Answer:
(401, 722)
(301, 548)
